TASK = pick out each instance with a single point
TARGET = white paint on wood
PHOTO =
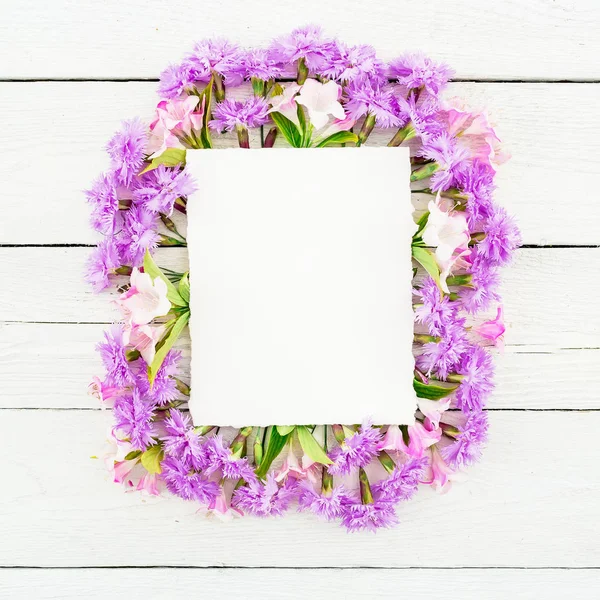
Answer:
(549, 184)
(290, 584)
(532, 502)
(479, 38)
(546, 291)
(528, 377)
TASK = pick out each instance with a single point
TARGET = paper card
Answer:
(301, 277)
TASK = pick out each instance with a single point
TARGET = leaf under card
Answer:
(426, 259)
(432, 391)
(311, 447)
(341, 137)
(171, 157)
(288, 129)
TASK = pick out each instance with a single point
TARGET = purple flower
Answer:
(416, 70)
(326, 506)
(348, 63)
(112, 353)
(482, 290)
(217, 56)
(466, 449)
(127, 150)
(402, 483)
(422, 113)
(443, 356)
(104, 199)
(133, 416)
(164, 388)
(138, 234)
(265, 499)
(187, 483)
(230, 114)
(357, 516)
(436, 311)
(355, 451)
(450, 157)
(501, 237)
(175, 79)
(476, 180)
(304, 43)
(101, 263)
(182, 441)
(220, 458)
(477, 369)
(366, 96)
(260, 63)
(161, 187)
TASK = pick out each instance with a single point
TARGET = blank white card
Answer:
(301, 277)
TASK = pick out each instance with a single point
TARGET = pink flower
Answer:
(122, 469)
(420, 438)
(494, 329)
(161, 139)
(475, 133)
(321, 100)
(102, 392)
(178, 116)
(148, 484)
(439, 474)
(144, 338)
(220, 507)
(291, 467)
(337, 126)
(285, 103)
(433, 409)
(145, 299)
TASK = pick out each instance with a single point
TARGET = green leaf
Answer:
(421, 223)
(184, 287)
(285, 429)
(303, 126)
(152, 458)
(207, 96)
(154, 271)
(167, 344)
(341, 137)
(427, 260)
(133, 454)
(171, 157)
(433, 391)
(274, 447)
(311, 447)
(288, 129)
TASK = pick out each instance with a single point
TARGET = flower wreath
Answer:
(312, 92)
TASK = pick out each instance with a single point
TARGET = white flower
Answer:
(144, 300)
(321, 100)
(144, 338)
(447, 232)
(285, 103)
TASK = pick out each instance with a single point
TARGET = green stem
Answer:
(123, 270)
(166, 240)
(402, 135)
(338, 432)
(366, 129)
(239, 442)
(258, 448)
(219, 87)
(459, 279)
(365, 488)
(421, 338)
(182, 387)
(386, 461)
(243, 137)
(203, 429)
(168, 223)
(271, 137)
(455, 378)
(302, 72)
(424, 172)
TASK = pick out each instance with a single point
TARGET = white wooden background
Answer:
(526, 523)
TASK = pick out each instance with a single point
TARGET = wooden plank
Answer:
(50, 366)
(531, 503)
(505, 40)
(546, 292)
(284, 584)
(543, 186)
